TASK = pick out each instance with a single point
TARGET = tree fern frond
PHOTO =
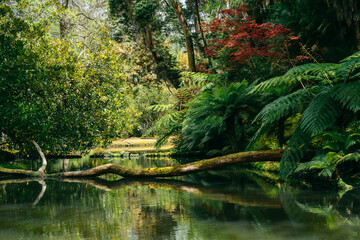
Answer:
(312, 72)
(348, 94)
(284, 106)
(351, 57)
(348, 69)
(274, 83)
(316, 57)
(313, 164)
(321, 113)
(352, 140)
(293, 153)
(168, 122)
(314, 68)
(328, 171)
(355, 156)
(161, 107)
(193, 79)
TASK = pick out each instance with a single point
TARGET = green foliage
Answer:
(144, 11)
(320, 92)
(315, 23)
(53, 93)
(171, 122)
(151, 102)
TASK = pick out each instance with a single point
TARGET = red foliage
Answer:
(203, 67)
(238, 38)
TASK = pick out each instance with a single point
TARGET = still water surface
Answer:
(203, 206)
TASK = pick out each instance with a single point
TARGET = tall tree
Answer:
(187, 35)
(141, 23)
(53, 94)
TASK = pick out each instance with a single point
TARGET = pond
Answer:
(216, 205)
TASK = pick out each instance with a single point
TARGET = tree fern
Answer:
(213, 114)
(283, 106)
(325, 90)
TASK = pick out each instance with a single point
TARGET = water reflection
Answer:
(172, 209)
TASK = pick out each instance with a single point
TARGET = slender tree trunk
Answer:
(64, 22)
(42, 155)
(200, 29)
(187, 35)
(161, 67)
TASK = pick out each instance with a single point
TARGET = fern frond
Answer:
(161, 107)
(312, 54)
(312, 72)
(347, 69)
(274, 83)
(328, 171)
(352, 140)
(348, 94)
(321, 113)
(193, 79)
(313, 68)
(169, 124)
(293, 153)
(314, 164)
(351, 57)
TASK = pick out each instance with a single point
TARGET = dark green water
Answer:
(196, 207)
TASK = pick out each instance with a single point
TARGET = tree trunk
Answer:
(187, 35)
(42, 155)
(161, 69)
(200, 29)
(64, 22)
(194, 167)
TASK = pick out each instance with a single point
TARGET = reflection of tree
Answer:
(153, 209)
(41, 194)
(25, 180)
(254, 199)
(321, 216)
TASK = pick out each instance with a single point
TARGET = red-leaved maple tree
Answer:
(237, 39)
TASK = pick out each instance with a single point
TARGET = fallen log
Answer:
(194, 167)
(19, 173)
(184, 169)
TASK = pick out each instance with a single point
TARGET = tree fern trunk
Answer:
(231, 131)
